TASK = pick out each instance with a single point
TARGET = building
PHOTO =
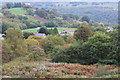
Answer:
(66, 32)
(39, 34)
(109, 29)
(1, 37)
(71, 32)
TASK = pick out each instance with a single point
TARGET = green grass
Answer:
(31, 30)
(62, 29)
(18, 11)
(59, 28)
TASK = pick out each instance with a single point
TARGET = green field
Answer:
(18, 11)
(59, 28)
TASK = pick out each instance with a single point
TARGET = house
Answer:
(61, 33)
(27, 3)
(109, 29)
(39, 34)
(66, 32)
(71, 32)
(1, 37)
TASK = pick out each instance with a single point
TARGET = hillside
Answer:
(28, 17)
(98, 12)
(46, 43)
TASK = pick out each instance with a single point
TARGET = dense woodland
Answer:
(91, 44)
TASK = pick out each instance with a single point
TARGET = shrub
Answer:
(78, 73)
(108, 61)
(101, 71)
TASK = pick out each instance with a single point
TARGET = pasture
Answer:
(59, 28)
(18, 11)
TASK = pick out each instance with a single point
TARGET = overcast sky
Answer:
(60, 0)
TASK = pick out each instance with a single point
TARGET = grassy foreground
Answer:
(45, 69)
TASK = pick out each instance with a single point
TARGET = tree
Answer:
(86, 18)
(55, 31)
(97, 48)
(70, 39)
(51, 41)
(10, 5)
(43, 30)
(6, 12)
(4, 6)
(115, 37)
(50, 24)
(27, 34)
(21, 17)
(14, 43)
(17, 4)
(31, 42)
(101, 29)
(83, 32)
(35, 52)
(4, 27)
(30, 12)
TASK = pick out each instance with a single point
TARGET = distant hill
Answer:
(106, 12)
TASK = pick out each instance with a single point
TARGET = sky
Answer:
(60, 0)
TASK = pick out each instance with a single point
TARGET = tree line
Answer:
(84, 47)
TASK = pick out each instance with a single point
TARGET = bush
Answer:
(101, 71)
(110, 62)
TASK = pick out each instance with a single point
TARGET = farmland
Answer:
(59, 28)
(18, 11)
